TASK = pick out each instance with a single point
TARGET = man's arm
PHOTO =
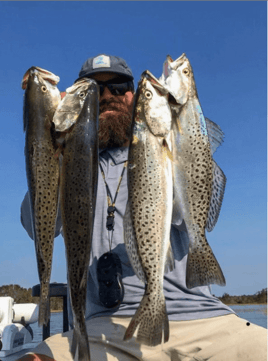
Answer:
(25, 217)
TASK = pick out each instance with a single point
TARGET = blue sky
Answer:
(226, 43)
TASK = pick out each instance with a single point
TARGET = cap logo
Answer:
(101, 61)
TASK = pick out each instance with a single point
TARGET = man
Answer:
(201, 327)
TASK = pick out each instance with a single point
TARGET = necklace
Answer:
(111, 205)
(109, 268)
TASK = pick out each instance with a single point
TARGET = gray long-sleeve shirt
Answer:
(182, 303)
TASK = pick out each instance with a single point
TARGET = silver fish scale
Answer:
(78, 198)
(193, 179)
(45, 199)
(150, 208)
(46, 193)
(146, 176)
(196, 157)
(199, 169)
(40, 101)
(198, 191)
(218, 188)
(148, 214)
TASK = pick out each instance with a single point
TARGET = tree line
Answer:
(24, 295)
(258, 297)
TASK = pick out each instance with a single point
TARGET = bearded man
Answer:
(201, 327)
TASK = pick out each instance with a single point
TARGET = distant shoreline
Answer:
(244, 304)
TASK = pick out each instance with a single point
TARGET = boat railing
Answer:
(55, 290)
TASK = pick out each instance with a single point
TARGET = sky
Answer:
(226, 44)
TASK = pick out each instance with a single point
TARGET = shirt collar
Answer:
(118, 155)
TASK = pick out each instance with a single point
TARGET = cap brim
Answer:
(104, 70)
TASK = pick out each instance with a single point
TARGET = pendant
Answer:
(109, 272)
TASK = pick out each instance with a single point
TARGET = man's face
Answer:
(115, 115)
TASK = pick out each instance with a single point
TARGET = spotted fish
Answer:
(78, 188)
(198, 182)
(148, 214)
(41, 99)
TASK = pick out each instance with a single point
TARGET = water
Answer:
(253, 313)
(55, 327)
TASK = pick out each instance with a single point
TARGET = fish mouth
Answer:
(42, 74)
(174, 64)
(155, 82)
(160, 87)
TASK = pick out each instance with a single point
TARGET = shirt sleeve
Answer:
(25, 217)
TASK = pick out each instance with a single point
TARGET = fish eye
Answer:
(186, 71)
(82, 94)
(43, 88)
(148, 94)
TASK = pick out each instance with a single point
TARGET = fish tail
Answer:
(203, 268)
(44, 310)
(152, 319)
(80, 343)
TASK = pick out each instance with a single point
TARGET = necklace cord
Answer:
(111, 205)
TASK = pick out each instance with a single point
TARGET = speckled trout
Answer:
(148, 214)
(78, 189)
(198, 182)
(41, 99)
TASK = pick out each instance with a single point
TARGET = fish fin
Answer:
(131, 244)
(215, 135)
(176, 211)
(59, 150)
(166, 149)
(203, 268)
(152, 319)
(80, 345)
(74, 343)
(170, 263)
(218, 188)
(44, 310)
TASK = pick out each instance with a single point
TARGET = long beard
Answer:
(114, 129)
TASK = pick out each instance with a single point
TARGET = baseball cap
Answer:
(105, 63)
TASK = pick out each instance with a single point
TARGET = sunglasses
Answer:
(116, 87)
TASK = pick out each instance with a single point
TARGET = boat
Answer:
(15, 329)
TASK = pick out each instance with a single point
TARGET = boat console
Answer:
(15, 320)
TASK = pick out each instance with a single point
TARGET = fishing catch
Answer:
(198, 181)
(148, 213)
(41, 99)
(78, 189)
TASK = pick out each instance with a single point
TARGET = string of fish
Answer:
(111, 205)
